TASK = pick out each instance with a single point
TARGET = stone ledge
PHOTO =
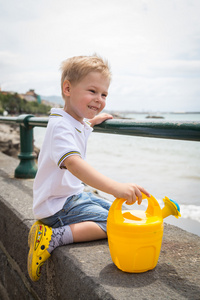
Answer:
(85, 270)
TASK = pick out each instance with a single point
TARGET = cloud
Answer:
(154, 94)
(8, 60)
(153, 47)
(175, 68)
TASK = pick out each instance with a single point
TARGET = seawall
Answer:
(85, 270)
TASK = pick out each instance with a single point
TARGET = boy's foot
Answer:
(38, 240)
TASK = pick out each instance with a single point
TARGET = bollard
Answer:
(27, 167)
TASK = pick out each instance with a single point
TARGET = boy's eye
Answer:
(104, 95)
(92, 91)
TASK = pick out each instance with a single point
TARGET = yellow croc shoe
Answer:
(30, 232)
(39, 238)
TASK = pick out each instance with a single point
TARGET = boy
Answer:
(66, 214)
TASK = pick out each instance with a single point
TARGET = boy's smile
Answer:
(86, 98)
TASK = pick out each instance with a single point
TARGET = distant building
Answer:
(5, 92)
(31, 96)
(31, 93)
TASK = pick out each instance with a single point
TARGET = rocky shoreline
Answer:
(10, 140)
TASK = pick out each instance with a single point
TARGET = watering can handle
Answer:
(153, 208)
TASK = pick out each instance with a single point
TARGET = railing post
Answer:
(27, 167)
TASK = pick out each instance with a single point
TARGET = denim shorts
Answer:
(80, 208)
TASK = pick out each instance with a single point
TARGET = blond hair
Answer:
(76, 68)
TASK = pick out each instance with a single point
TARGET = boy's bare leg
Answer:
(87, 231)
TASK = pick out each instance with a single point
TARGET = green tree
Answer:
(13, 104)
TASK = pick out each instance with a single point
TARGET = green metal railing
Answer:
(27, 167)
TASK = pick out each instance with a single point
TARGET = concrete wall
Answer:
(85, 270)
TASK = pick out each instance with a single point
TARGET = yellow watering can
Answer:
(135, 236)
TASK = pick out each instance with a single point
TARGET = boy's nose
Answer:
(98, 98)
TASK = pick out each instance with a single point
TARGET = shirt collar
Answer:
(78, 125)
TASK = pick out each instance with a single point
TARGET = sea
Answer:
(164, 167)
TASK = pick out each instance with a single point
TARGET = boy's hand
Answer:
(99, 119)
(131, 192)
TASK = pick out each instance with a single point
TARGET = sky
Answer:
(153, 48)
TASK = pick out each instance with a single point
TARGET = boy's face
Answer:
(86, 98)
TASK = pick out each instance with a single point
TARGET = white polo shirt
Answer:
(53, 184)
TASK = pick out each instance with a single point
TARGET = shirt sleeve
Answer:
(63, 144)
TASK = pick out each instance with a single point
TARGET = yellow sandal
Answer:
(38, 240)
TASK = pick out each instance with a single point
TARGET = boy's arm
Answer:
(99, 119)
(86, 173)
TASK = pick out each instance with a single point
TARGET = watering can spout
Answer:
(171, 208)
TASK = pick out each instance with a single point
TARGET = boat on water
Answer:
(154, 117)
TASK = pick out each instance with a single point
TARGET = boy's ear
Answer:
(66, 88)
